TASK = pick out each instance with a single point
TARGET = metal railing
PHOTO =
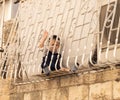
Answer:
(77, 25)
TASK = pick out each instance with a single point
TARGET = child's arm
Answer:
(44, 37)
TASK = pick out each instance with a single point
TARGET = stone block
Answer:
(47, 84)
(27, 96)
(110, 75)
(53, 83)
(41, 85)
(4, 97)
(71, 80)
(35, 95)
(101, 91)
(86, 78)
(48, 94)
(92, 78)
(116, 90)
(55, 94)
(25, 88)
(62, 93)
(99, 77)
(78, 92)
(4, 87)
(17, 96)
(6, 30)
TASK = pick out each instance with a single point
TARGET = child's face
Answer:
(52, 44)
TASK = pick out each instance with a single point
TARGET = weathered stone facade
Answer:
(74, 23)
(103, 85)
(6, 30)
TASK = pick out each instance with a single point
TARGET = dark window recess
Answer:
(1, 49)
(107, 30)
(94, 57)
(16, 1)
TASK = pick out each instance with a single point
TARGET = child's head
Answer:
(54, 43)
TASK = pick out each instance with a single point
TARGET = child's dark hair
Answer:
(55, 37)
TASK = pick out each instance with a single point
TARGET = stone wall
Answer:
(6, 30)
(101, 85)
(5, 89)
(94, 85)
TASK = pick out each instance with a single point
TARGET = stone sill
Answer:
(88, 78)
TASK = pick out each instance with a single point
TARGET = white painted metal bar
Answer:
(65, 22)
(6, 52)
(72, 12)
(52, 30)
(82, 27)
(45, 25)
(2, 21)
(60, 34)
(108, 62)
(111, 25)
(101, 39)
(33, 22)
(116, 42)
(71, 33)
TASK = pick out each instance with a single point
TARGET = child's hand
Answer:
(44, 37)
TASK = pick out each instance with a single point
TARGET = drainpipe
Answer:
(1, 25)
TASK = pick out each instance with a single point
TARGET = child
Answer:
(52, 57)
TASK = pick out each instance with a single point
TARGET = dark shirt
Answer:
(48, 59)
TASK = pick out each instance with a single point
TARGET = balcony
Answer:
(89, 38)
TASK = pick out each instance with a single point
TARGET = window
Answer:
(14, 9)
(110, 16)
